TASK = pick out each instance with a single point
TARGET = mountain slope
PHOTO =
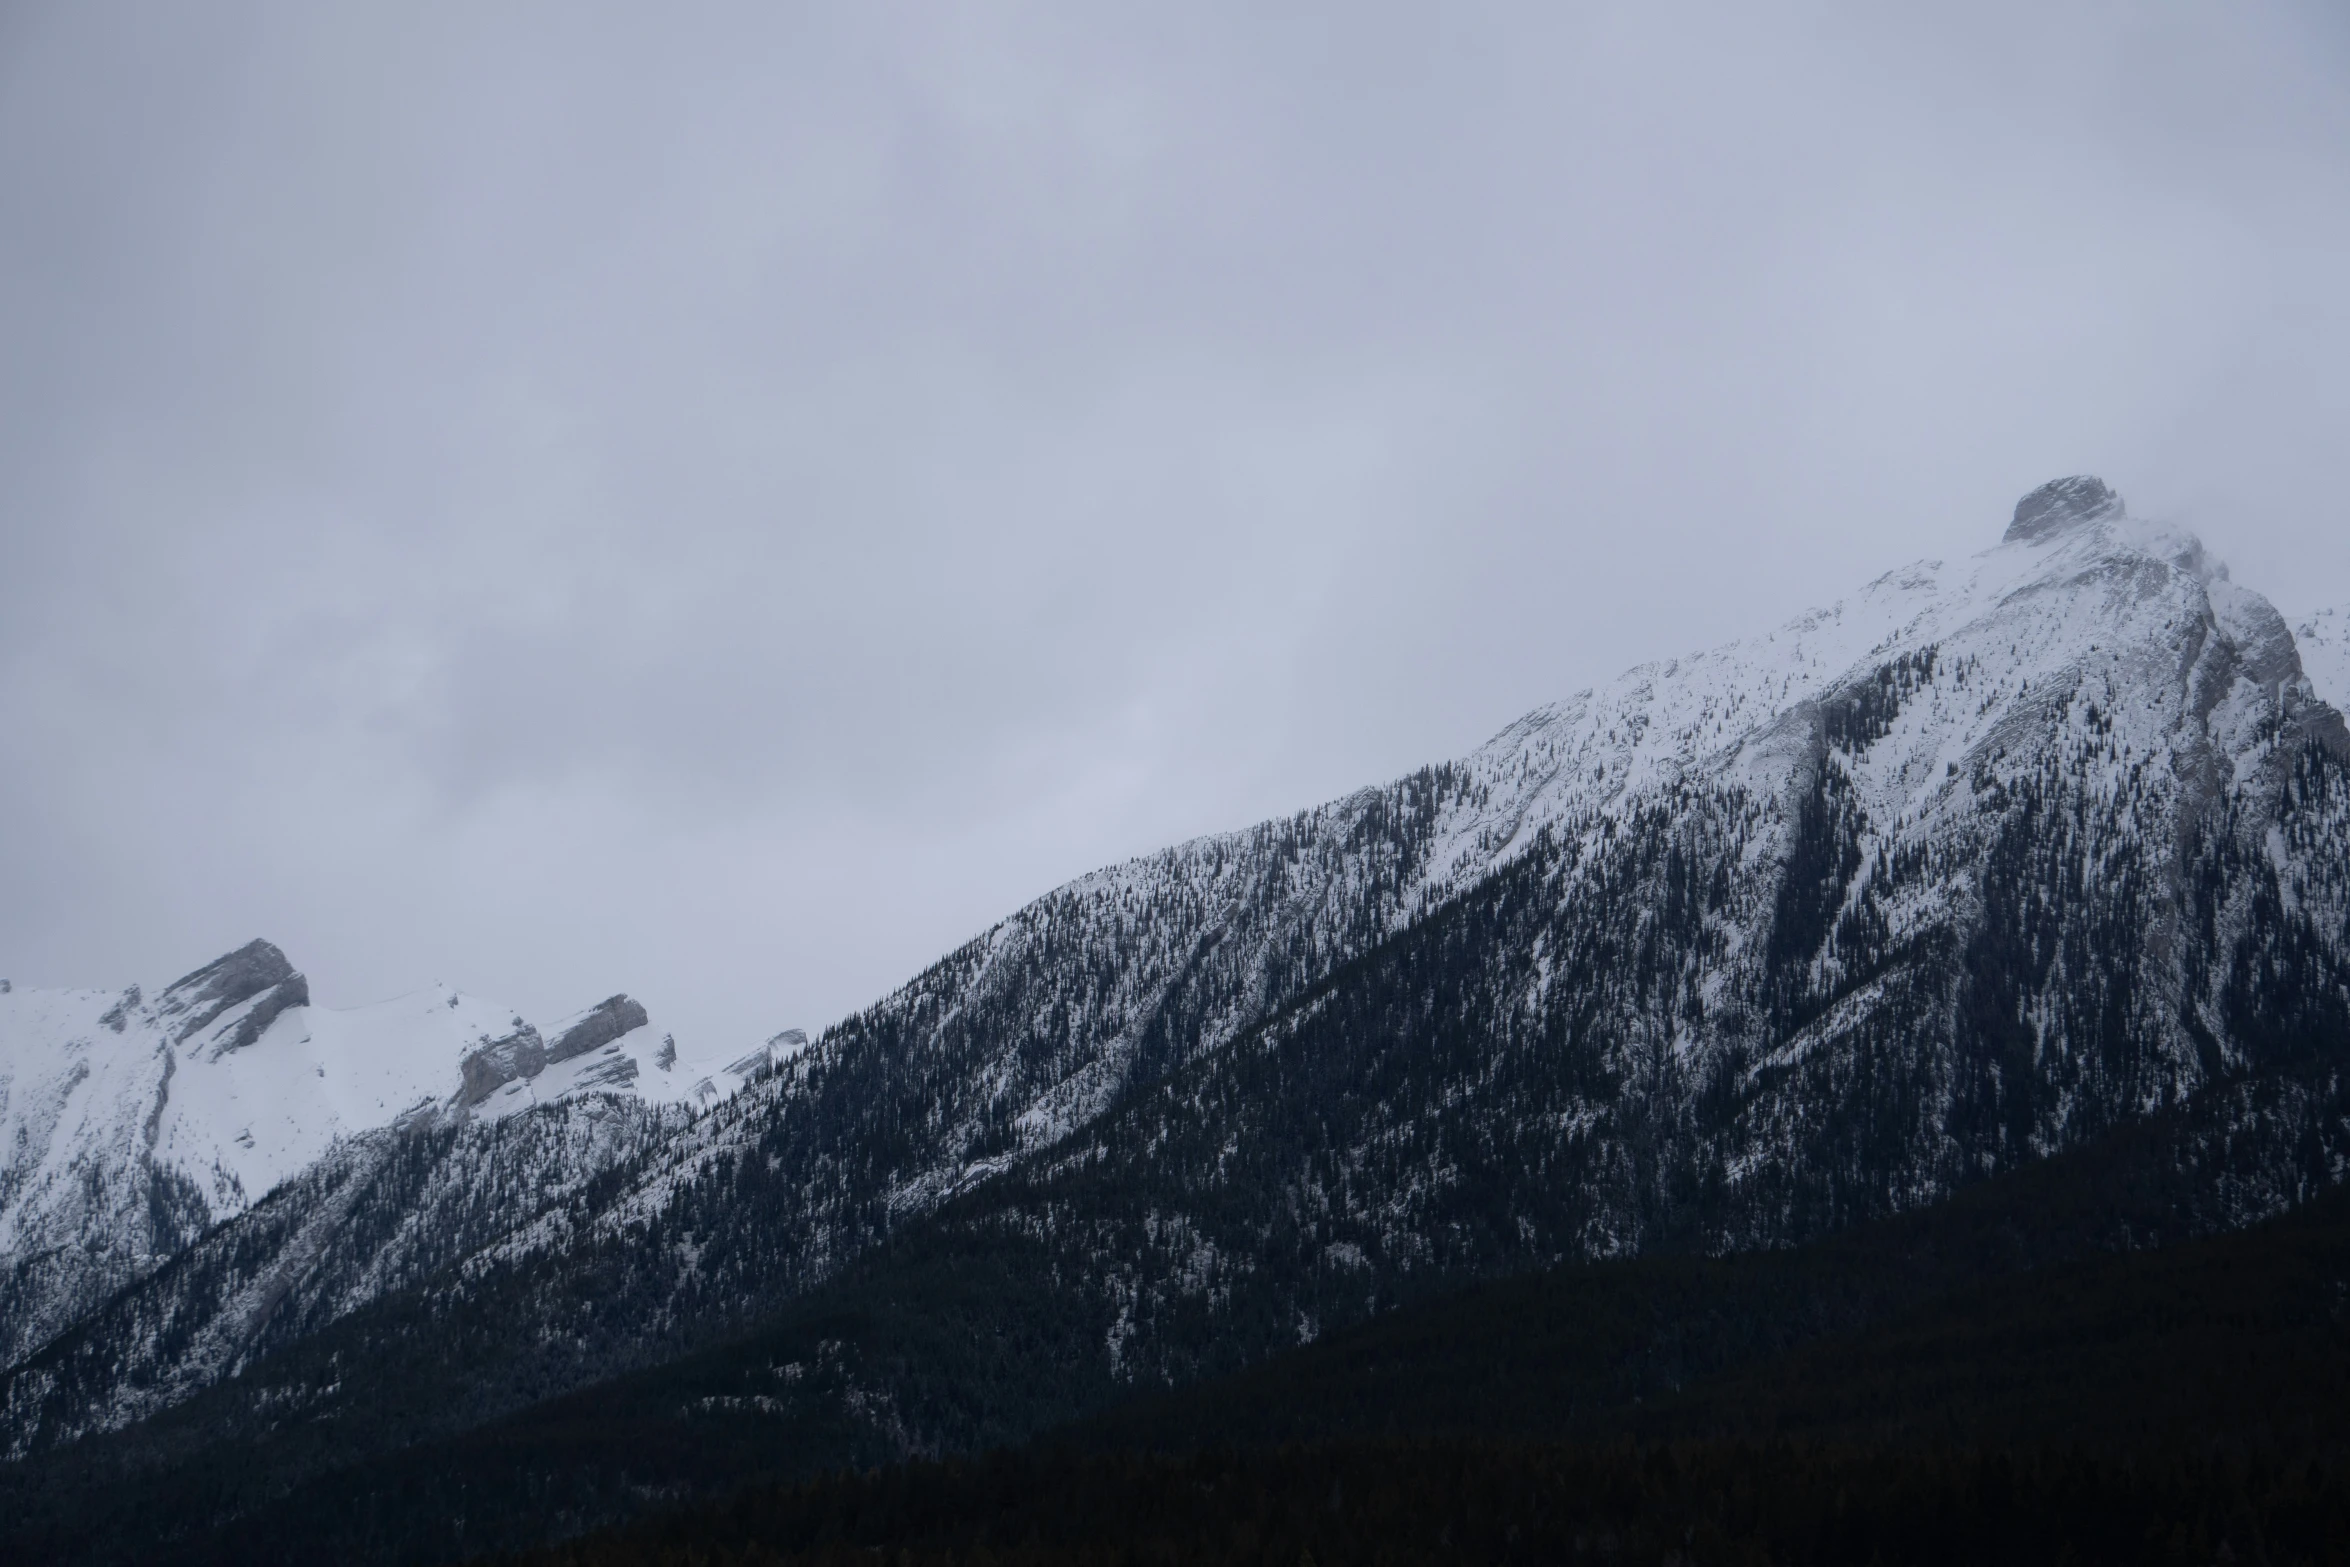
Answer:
(2324, 642)
(959, 1335)
(1983, 863)
(380, 1212)
(1943, 878)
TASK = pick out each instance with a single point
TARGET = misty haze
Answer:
(956, 780)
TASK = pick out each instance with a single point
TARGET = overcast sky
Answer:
(724, 502)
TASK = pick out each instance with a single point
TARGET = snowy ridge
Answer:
(2324, 640)
(130, 1125)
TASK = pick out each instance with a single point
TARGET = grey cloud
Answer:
(721, 501)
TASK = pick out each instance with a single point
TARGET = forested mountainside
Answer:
(955, 1336)
(384, 1211)
(1900, 1393)
(2188, 1403)
(1980, 865)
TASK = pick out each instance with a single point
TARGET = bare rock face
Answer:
(616, 1072)
(524, 1054)
(294, 992)
(607, 1021)
(519, 1054)
(193, 1001)
(2059, 504)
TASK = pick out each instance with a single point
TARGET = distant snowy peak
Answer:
(2324, 640)
(239, 1056)
(2060, 504)
(131, 1122)
(256, 973)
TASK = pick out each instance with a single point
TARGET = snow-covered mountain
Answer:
(1785, 829)
(130, 1125)
(1974, 866)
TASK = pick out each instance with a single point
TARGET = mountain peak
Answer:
(2061, 503)
(253, 967)
(197, 999)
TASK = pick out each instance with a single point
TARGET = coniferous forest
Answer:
(1980, 1381)
(2188, 1406)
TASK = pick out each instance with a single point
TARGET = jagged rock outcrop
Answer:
(195, 1001)
(600, 1025)
(521, 1054)
(2059, 504)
